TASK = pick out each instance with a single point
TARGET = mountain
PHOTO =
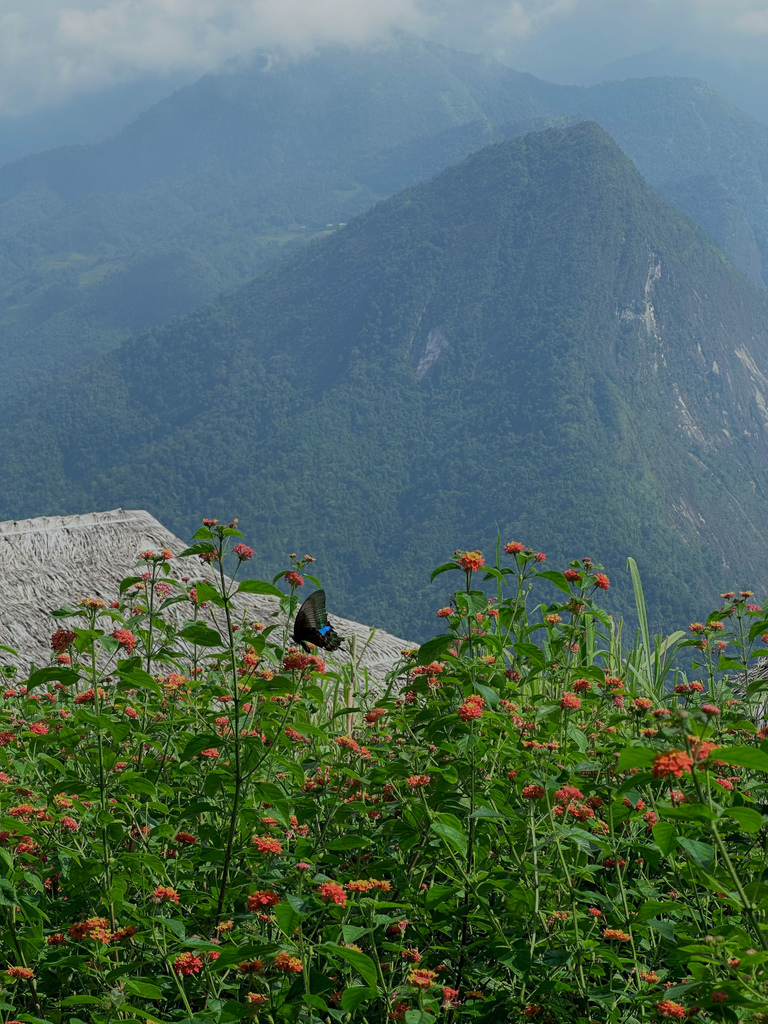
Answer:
(743, 83)
(533, 340)
(211, 185)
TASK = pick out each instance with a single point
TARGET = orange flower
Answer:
(674, 762)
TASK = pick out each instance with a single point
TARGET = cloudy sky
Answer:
(53, 49)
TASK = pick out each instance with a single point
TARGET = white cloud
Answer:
(52, 49)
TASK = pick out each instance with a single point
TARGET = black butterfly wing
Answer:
(312, 625)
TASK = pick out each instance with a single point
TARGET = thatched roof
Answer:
(53, 560)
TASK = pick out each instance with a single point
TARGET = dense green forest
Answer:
(533, 342)
(211, 185)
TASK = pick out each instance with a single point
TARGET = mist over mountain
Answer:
(533, 341)
(211, 185)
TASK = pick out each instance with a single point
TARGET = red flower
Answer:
(533, 792)
(444, 613)
(569, 701)
(262, 899)
(372, 717)
(187, 963)
(25, 973)
(674, 762)
(286, 962)
(539, 557)
(471, 708)
(69, 824)
(294, 579)
(470, 561)
(210, 752)
(668, 1008)
(265, 844)
(165, 894)
(296, 660)
(568, 793)
(601, 581)
(719, 996)
(417, 781)
(582, 684)
(514, 547)
(616, 935)
(572, 575)
(39, 728)
(243, 552)
(62, 638)
(422, 978)
(710, 709)
(332, 892)
(125, 639)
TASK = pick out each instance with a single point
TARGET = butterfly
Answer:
(312, 625)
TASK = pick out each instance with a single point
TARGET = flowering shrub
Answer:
(526, 822)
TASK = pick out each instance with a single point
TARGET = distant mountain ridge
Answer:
(533, 341)
(212, 184)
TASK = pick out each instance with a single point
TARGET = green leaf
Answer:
(349, 843)
(354, 997)
(440, 894)
(80, 1001)
(259, 587)
(665, 837)
(201, 548)
(363, 964)
(445, 567)
(452, 836)
(206, 592)
(744, 757)
(287, 919)
(702, 853)
(664, 928)
(749, 819)
(145, 989)
(635, 757)
(64, 675)
(202, 635)
(197, 744)
(557, 578)
(433, 649)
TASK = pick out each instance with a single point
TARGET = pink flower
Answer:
(243, 552)
(294, 580)
(710, 709)
(444, 613)
(39, 728)
(69, 824)
(539, 557)
(514, 547)
(569, 701)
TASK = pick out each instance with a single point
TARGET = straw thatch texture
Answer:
(53, 560)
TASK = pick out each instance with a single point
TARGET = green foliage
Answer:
(514, 831)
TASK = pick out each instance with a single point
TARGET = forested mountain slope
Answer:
(533, 340)
(211, 185)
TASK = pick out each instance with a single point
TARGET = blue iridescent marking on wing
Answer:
(323, 630)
